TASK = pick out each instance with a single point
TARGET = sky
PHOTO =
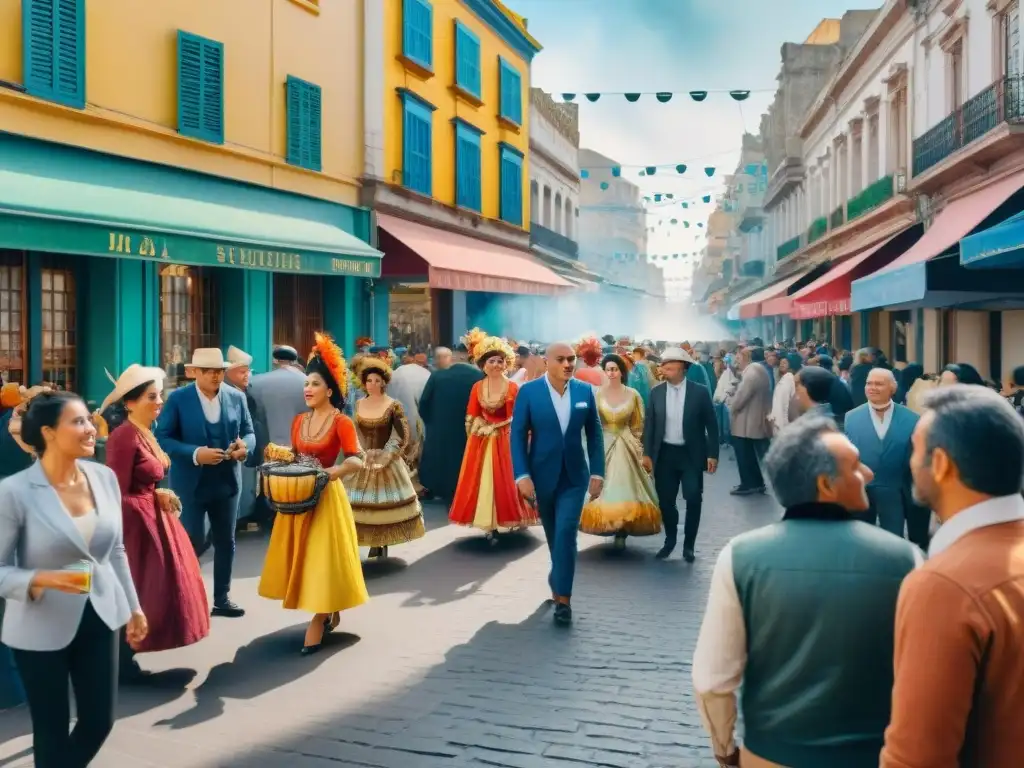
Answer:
(677, 46)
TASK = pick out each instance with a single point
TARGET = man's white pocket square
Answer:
(582, 405)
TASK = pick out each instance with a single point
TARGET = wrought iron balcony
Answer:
(817, 229)
(1002, 102)
(547, 238)
(870, 198)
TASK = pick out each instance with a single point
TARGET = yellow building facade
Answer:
(447, 162)
(211, 154)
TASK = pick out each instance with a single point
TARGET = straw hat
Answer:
(134, 375)
(676, 355)
(207, 357)
(237, 358)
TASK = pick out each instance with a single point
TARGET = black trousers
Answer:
(90, 663)
(749, 453)
(675, 471)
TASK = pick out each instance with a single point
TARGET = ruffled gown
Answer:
(384, 501)
(163, 563)
(312, 563)
(628, 504)
(486, 496)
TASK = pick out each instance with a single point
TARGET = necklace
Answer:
(307, 424)
(70, 483)
(487, 393)
(151, 442)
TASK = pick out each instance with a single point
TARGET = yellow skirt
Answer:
(312, 562)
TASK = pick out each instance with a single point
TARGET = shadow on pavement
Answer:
(266, 663)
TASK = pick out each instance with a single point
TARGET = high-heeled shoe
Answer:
(330, 624)
(309, 650)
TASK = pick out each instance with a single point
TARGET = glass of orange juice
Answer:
(81, 573)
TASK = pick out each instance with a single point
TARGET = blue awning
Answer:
(998, 246)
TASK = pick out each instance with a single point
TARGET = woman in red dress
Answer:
(486, 496)
(163, 564)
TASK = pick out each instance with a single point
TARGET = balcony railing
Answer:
(817, 229)
(871, 197)
(789, 247)
(1002, 102)
(837, 218)
(547, 238)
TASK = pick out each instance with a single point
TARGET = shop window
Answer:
(418, 32)
(200, 88)
(410, 317)
(304, 124)
(54, 34)
(511, 185)
(510, 86)
(417, 150)
(298, 310)
(467, 60)
(12, 317)
(900, 336)
(189, 316)
(59, 341)
(467, 166)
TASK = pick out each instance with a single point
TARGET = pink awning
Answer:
(756, 305)
(956, 220)
(459, 263)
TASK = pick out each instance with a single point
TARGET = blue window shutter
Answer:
(511, 94)
(511, 188)
(418, 32)
(54, 50)
(416, 151)
(467, 167)
(304, 102)
(200, 88)
(467, 59)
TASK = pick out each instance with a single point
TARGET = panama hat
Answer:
(134, 375)
(207, 357)
(676, 355)
(237, 358)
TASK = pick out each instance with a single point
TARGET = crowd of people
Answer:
(604, 436)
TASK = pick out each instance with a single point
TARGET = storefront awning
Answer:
(999, 246)
(905, 281)
(460, 263)
(830, 293)
(61, 200)
(752, 306)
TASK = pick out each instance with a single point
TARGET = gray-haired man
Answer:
(801, 614)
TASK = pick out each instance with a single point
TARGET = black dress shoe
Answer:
(227, 610)
(688, 555)
(309, 650)
(563, 614)
(665, 551)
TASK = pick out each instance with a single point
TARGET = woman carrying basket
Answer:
(312, 562)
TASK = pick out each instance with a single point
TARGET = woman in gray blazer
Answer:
(64, 574)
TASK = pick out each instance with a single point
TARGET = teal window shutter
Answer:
(511, 189)
(511, 91)
(418, 32)
(467, 59)
(54, 50)
(305, 117)
(200, 88)
(468, 191)
(417, 152)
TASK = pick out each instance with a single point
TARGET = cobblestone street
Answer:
(454, 663)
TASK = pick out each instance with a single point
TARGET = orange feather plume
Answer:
(590, 349)
(472, 340)
(330, 355)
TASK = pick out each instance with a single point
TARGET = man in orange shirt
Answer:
(958, 698)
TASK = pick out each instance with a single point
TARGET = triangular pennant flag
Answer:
(616, 171)
(592, 96)
(686, 224)
(698, 95)
(669, 196)
(700, 225)
(584, 174)
(651, 170)
(686, 205)
(568, 96)
(675, 221)
(657, 198)
(663, 97)
(706, 198)
(710, 171)
(740, 95)
(632, 96)
(643, 173)
(680, 168)
(604, 185)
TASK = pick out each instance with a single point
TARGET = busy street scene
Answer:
(511, 384)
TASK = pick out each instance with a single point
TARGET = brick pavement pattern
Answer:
(453, 664)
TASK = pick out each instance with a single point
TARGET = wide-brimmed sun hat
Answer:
(676, 355)
(134, 375)
(208, 357)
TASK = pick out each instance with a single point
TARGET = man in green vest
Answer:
(801, 615)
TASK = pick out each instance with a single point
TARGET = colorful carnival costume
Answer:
(628, 504)
(312, 562)
(386, 507)
(486, 496)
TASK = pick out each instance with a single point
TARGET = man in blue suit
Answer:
(551, 467)
(881, 430)
(207, 431)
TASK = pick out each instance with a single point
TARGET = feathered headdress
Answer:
(590, 350)
(364, 341)
(471, 340)
(331, 356)
(372, 363)
(491, 344)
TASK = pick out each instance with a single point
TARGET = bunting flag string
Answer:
(647, 170)
(664, 97)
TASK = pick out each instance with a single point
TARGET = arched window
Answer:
(534, 202)
(546, 221)
(569, 223)
(558, 213)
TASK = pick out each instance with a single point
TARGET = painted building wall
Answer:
(436, 89)
(554, 164)
(131, 87)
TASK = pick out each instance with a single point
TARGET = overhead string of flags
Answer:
(663, 97)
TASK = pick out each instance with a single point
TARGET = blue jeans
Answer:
(724, 433)
(560, 515)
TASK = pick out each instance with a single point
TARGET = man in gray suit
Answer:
(680, 444)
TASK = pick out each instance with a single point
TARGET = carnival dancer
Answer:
(628, 504)
(164, 566)
(641, 377)
(486, 496)
(384, 502)
(588, 354)
(312, 563)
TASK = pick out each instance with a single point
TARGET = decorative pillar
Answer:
(247, 313)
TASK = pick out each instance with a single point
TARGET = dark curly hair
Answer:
(317, 366)
(619, 362)
(44, 410)
(487, 356)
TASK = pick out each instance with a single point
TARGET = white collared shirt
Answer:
(995, 511)
(211, 410)
(882, 425)
(519, 377)
(562, 403)
(675, 399)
